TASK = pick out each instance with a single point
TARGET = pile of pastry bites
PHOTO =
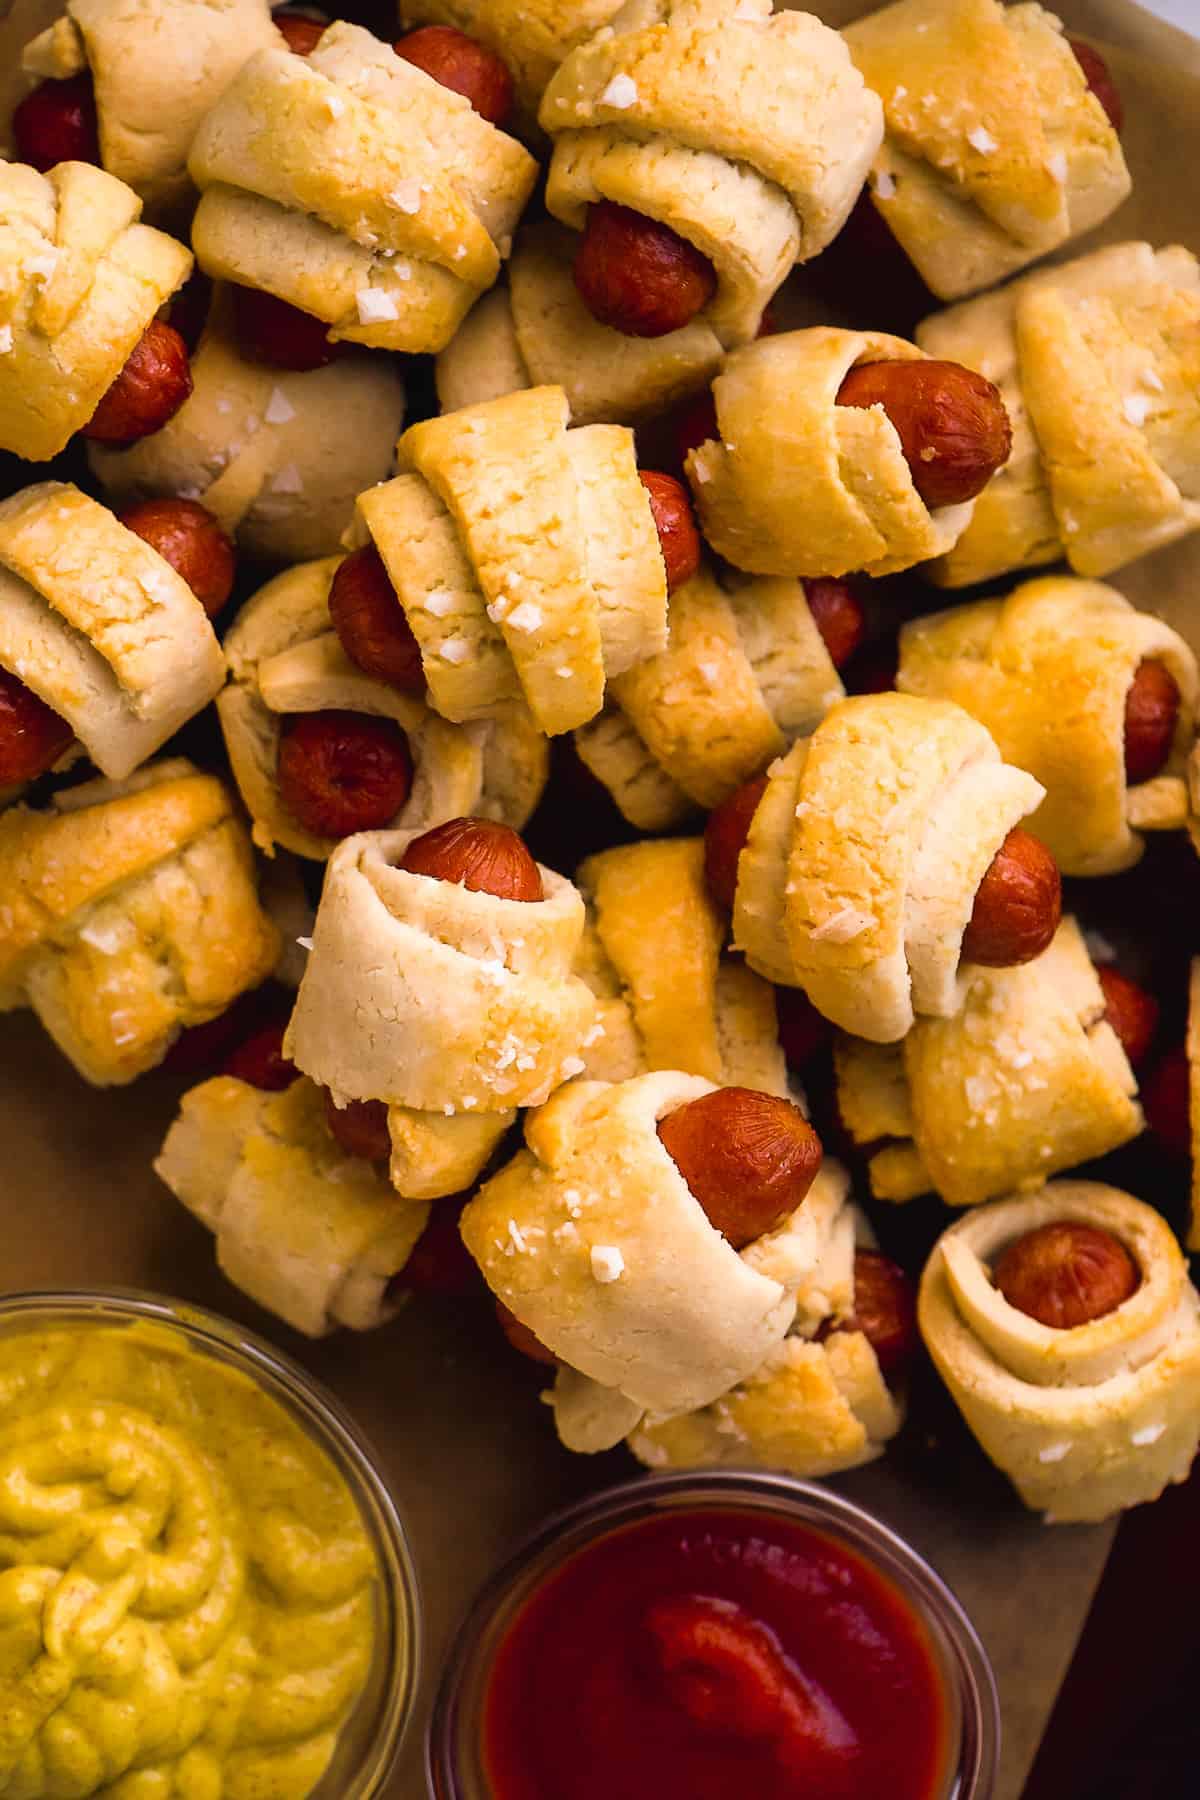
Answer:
(678, 595)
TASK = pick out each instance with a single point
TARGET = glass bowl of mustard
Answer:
(714, 1633)
(205, 1586)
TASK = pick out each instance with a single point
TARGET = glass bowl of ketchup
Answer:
(715, 1636)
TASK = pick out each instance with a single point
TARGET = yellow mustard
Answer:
(187, 1595)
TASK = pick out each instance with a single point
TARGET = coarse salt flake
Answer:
(287, 480)
(106, 938)
(406, 195)
(885, 185)
(607, 1262)
(279, 408)
(981, 139)
(305, 943)
(517, 1238)
(841, 926)
(1152, 379)
(1149, 1434)
(454, 650)
(572, 1065)
(620, 92)
(6, 339)
(1053, 1453)
(1056, 165)
(335, 106)
(1099, 948)
(439, 603)
(525, 617)
(374, 306)
(1135, 407)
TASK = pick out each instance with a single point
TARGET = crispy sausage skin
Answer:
(749, 1158)
(341, 772)
(151, 388)
(637, 276)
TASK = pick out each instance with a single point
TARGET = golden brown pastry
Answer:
(530, 36)
(593, 1239)
(747, 133)
(819, 1403)
(745, 670)
(100, 627)
(157, 67)
(1085, 1419)
(1099, 364)
(285, 659)
(353, 185)
(524, 555)
(996, 151)
(538, 331)
(799, 485)
(80, 280)
(666, 997)
(859, 876)
(130, 913)
(451, 1006)
(277, 456)
(313, 1235)
(1048, 670)
(1025, 1080)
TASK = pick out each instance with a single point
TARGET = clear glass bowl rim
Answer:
(571, 1528)
(325, 1420)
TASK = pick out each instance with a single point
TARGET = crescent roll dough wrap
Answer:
(593, 1239)
(531, 37)
(353, 185)
(812, 1408)
(1083, 1421)
(313, 1235)
(525, 557)
(426, 994)
(129, 913)
(748, 134)
(537, 330)
(744, 672)
(80, 280)
(798, 485)
(100, 627)
(859, 876)
(666, 998)
(1098, 362)
(157, 66)
(1048, 670)
(285, 657)
(995, 151)
(1026, 1080)
(278, 456)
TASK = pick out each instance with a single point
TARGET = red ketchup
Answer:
(716, 1654)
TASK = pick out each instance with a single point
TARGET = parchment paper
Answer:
(470, 1453)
